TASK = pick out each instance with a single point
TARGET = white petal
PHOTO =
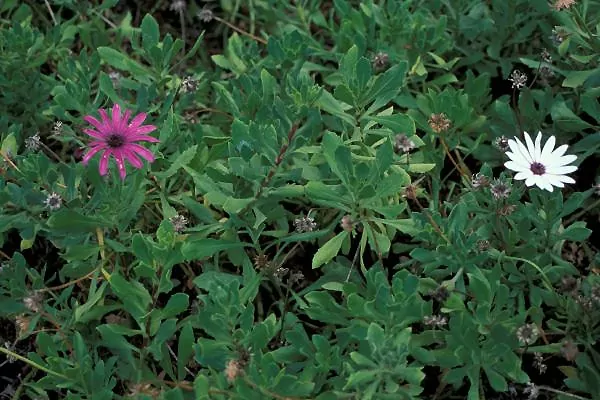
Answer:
(564, 178)
(567, 169)
(537, 150)
(530, 146)
(517, 158)
(523, 175)
(548, 147)
(553, 180)
(515, 166)
(560, 150)
(544, 183)
(520, 150)
(530, 181)
(564, 160)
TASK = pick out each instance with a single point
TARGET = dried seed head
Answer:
(439, 122)
(179, 222)
(506, 210)
(532, 391)
(410, 192)
(558, 35)
(569, 285)
(569, 350)
(380, 61)
(233, 369)
(479, 180)
(33, 302)
(178, 5)
(585, 302)
(518, 79)
(546, 57)
(403, 144)
(440, 294)
(347, 223)
(57, 128)
(538, 363)
(305, 224)
(296, 277)
(527, 334)
(436, 321)
(563, 4)
(483, 245)
(261, 261)
(33, 143)
(280, 273)
(502, 143)
(147, 389)
(206, 15)
(500, 189)
(115, 78)
(22, 323)
(189, 84)
(53, 201)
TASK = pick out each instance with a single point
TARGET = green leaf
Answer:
(150, 32)
(202, 248)
(575, 79)
(142, 249)
(70, 221)
(134, 296)
(177, 304)
(180, 161)
(329, 250)
(185, 349)
(201, 387)
(398, 123)
(120, 61)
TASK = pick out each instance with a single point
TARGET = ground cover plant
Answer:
(304, 199)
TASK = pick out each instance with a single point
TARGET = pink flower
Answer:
(117, 137)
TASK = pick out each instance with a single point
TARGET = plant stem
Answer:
(32, 363)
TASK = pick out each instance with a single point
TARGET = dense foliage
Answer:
(304, 199)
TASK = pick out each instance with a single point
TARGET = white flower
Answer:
(543, 167)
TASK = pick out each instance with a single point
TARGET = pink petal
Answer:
(95, 134)
(104, 115)
(143, 138)
(90, 154)
(104, 162)
(142, 151)
(142, 130)
(137, 121)
(116, 115)
(93, 121)
(120, 164)
(132, 158)
(126, 117)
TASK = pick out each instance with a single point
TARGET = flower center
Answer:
(537, 168)
(115, 140)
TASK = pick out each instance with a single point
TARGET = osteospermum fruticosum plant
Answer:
(116, 136)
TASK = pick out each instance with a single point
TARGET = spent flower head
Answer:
(33, 302)
(178, 5)
(233, 369)
(518, 79)
(479, 180)
(179, 222)
(380, 60)
(527, 334)
(403, 143)
(57, 128)
(53, 201)
(558, 35)
(500, 189)
(538, 363)
(439, 122)
(189, 84)
(501, 143)
(436, 321)
(205, 14)
(562, 4)
(305, 224)
(532, 391)
(33, 143)
(115, 136)
(544, 166)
